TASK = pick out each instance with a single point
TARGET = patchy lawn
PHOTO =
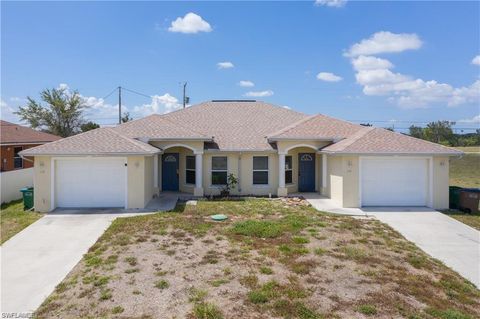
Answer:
(13, 219)
(271, 259)
(465, 171)
(472, 220)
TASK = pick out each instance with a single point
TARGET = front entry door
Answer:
(306, 172)
(170, 172)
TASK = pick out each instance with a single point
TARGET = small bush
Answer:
(117, 309)
(205, 310)
(162, 284)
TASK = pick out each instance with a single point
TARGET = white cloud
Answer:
(328, 77)
(473, 120)
(190, 23)
(287, 107)
(6, 112)
(476, 60)
(370, 63)
(225, 65)
(246, 84)
(385, 42)
(259, 93)
(160, 104)
(331, 3)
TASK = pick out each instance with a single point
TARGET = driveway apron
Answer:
(39, 257)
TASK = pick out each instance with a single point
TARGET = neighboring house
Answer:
(16, 138)
(272, 150)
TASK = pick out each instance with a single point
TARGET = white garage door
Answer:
(394, 181)
(90, 182)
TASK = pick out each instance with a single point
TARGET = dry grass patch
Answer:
(271, 258)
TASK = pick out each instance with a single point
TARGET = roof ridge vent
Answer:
(234, 100)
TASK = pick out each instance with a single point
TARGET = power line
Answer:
(138, 93)
(106, 96)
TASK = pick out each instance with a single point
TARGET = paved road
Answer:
(39, 257)
(454, 243)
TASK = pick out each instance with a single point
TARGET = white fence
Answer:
(13, 181)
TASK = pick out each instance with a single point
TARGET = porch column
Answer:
(282, 190)
(324, 175)
(198, 191)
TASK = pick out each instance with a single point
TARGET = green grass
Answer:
(465, 171)
(205, 310)
(162, 284)
(472, 220)
(367, 309)
(13, 219)
(260, 229)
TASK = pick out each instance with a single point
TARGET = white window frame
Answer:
(189, 169)
(212, 170)
(261, 170)
(289, 170)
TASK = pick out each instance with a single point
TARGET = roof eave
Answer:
(306, 138)
(91, 154)
(389, 153)
(206, 139)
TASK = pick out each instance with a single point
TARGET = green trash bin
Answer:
(454, 195)
(27, 198)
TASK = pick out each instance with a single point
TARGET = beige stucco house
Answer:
(270, 149)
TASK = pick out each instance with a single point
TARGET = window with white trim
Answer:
(260, 170)
(219, 170)
(190, 170)
(288, 170)
(17, 160)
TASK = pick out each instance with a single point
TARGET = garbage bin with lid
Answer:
(27, 198)
(470, 200)
(454, 195)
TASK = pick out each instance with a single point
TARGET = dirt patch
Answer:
(271, 259)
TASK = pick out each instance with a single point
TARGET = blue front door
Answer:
(306, 172)
(170, 172)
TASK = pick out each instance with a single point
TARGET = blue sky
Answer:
(364, 61)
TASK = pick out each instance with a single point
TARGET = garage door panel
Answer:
(394, 182)
(90, 182)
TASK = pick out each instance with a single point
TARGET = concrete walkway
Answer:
(450, 241)
(39, 257)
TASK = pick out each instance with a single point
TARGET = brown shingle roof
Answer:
(239, 126)
(157, 127)
(370, 140)
(101, 141)
(12, 133)
(317, 127)
(236, 125)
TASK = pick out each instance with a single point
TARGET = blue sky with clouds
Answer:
(379, 62)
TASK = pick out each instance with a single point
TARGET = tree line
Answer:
(441, 132)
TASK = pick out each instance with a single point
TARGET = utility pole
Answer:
(119, 105)
(184, 96)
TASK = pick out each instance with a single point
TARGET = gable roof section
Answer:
(317, 127)
(11, 133)
(101, 141)
(236, 125)
(371, 140)
(156, 126)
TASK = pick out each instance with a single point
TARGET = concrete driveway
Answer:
(454, 243)
(39, 257)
